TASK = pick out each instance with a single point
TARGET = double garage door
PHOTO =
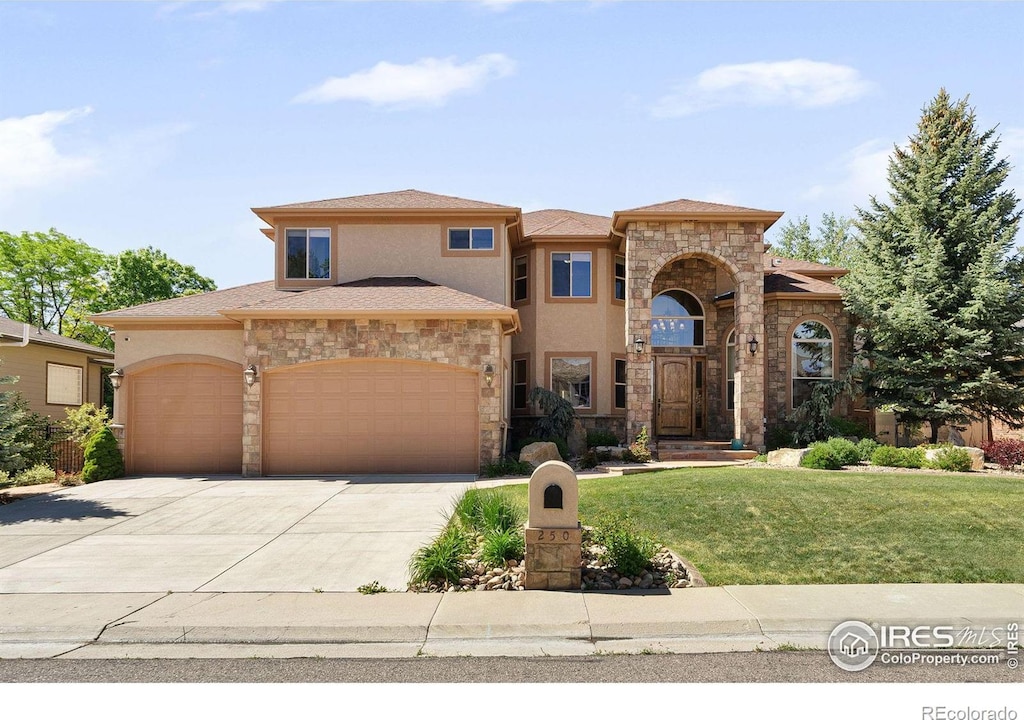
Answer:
(377, 416)
(380, 416)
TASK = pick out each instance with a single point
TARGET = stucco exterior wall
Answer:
(573, 327)
(28, 364)
(471, 344)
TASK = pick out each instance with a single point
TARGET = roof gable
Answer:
(398, 200)
(565, 223)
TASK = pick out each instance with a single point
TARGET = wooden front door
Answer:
(680, 396)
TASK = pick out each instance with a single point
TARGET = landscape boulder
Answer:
(787, 457)
(539, 453)
(977, 456)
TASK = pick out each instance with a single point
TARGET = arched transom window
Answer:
(811, 358)
(677, 320)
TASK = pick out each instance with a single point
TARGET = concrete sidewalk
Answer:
(734, 618)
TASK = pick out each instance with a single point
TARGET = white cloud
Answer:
(800, 83)
(863, 172)
(428, 81)
(29, 156)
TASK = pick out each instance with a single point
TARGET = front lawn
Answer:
(749, 526)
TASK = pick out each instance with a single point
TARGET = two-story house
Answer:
(403, 332)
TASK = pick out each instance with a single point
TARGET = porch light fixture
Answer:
(116, 376)
(638, 344)
(489, 375)
(250, 375)
(752, 344)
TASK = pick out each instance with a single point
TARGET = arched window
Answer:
(677, 320)
(730, 371)
(811, 358)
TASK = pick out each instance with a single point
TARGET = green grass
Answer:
(765, 526)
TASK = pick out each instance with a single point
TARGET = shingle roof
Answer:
(380, 294)
(784, 281)
(684, 205)
(774, 263)
(203, 305)
(399, 200)
(45, 337)
(561, 223)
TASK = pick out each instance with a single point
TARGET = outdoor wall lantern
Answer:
(752, 344)
(250, 375)
(489, 375)
(638, 344)
(116, 376)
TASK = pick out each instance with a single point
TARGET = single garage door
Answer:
(185, 419)
(370, 416)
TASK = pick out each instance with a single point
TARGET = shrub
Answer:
(813, 420)
(68, 479)
(487, 512)
(103, 460)
(889, 456)
(596, 438)
(1007, 453)
(951, 459)
(443, 560)
(589, 460)
(629, 552)
(850, 428)
(845, 450)
(500, 547)
(762, 458)
(82, 422)
(35, 475)
(821, 456)
(506, 466)
(5, 478)
(558, 418)
(865, 447)
(638, 450)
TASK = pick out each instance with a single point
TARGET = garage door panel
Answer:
(185, 418)
(371, 417)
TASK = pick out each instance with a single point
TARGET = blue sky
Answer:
(128, 124)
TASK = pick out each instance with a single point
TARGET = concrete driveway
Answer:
(222, 534)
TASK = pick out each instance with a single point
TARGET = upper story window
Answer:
(620, 277)
(308, 253)
(520, 279)
(812, 358)
(677, 320)
(570, 274)
(471, 238)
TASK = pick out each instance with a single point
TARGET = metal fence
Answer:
(58, 450)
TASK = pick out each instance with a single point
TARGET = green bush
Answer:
(444, 559)
(600, 436)
(589, 460)
(103, 460)
(5, 478)
(499, 547)
(850, 428)
(506, 466)
(889, 456)
(629, 552)
(845, 450)
(865, 447)
(638, 450)
(82, 422)
(35, 475)
(821, 456)
(951, 459)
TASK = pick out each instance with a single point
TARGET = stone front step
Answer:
(719, 451)
(708, 455)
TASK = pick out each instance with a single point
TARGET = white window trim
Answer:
(77, 376)
(590, 262)
(330, 253)
(471, 248)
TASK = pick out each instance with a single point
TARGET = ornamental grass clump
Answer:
(628, 551)
(500, 547)
(444, 560)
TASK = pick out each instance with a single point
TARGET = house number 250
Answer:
(553, 535)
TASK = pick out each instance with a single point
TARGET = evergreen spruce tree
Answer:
(937, 280)
(13, 445)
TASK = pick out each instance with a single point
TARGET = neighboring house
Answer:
(54, 372)
(404, 331)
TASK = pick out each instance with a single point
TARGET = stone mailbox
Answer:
(553, 534)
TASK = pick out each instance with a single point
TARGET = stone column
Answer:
(639, 371)
(750, 368)
(252, 428)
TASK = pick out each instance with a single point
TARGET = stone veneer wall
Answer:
(466, 343)
(739, 247)
(781, 316)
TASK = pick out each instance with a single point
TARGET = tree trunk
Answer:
(936, 424)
